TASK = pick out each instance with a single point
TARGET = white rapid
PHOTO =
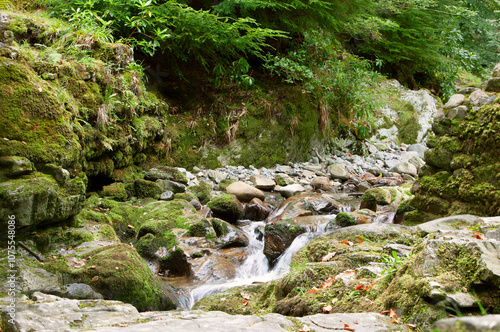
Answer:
(255, 269)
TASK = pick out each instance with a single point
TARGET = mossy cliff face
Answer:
(463, 172)
(83, 105)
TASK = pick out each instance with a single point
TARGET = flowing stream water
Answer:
(255, 269)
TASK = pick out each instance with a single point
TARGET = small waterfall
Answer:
(256, 267)
(384, 218)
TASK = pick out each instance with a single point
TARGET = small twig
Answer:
(37, 256)
(321, 160)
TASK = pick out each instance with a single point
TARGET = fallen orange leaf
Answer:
(349, 243)
(245, 302)
(95, 278)
(360, 239)
(348, 328)
(478, 235)
(313, 290)
(327, 283)
(367, 287)
(358, 287)
(385, 312)
(411, 326)
(327, 309)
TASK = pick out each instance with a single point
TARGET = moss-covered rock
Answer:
(463, 177)
(165, 173)
(116, 191)
(145, 188)
(226, 207)
(13, 166)
(279, 236)
(118, 273)
(343, 219)
(202, 191)
(38, 200)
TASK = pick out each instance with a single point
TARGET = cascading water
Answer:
(256, 267)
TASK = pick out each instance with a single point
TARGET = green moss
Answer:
(226, 206)
(202, 192)
(33, 119)
(199, 228)
(220, 227)
(224, 183)
(344, 219)
(123, 275)
(408, 125)
(116, 191)
(188, 197)
(106, 232)
(144, 188)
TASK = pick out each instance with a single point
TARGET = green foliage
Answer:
(392, 264)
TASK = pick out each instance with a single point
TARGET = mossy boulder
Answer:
(165, 173)
(38, 200)
(202, 191)
(13, 166)
(175, 264)
(119, 273)
(144, 188)
(226, 207)
(279, 236)
(227, 235)
(383, 196)
(116, 191)
(343, 219)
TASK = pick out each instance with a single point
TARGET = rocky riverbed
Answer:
(337, 242)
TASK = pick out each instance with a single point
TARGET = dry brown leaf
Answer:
(335, 300)
(92, 267)
(346, 274)
(327, 309)
(95, 278)
(348, 328)
(411, 326)
(305, 328)
(246, 296)
(69, 248)
(329, 256)
(327, 283)
(394, 316)
(349, 243)
(313, 290)
(130, 226)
